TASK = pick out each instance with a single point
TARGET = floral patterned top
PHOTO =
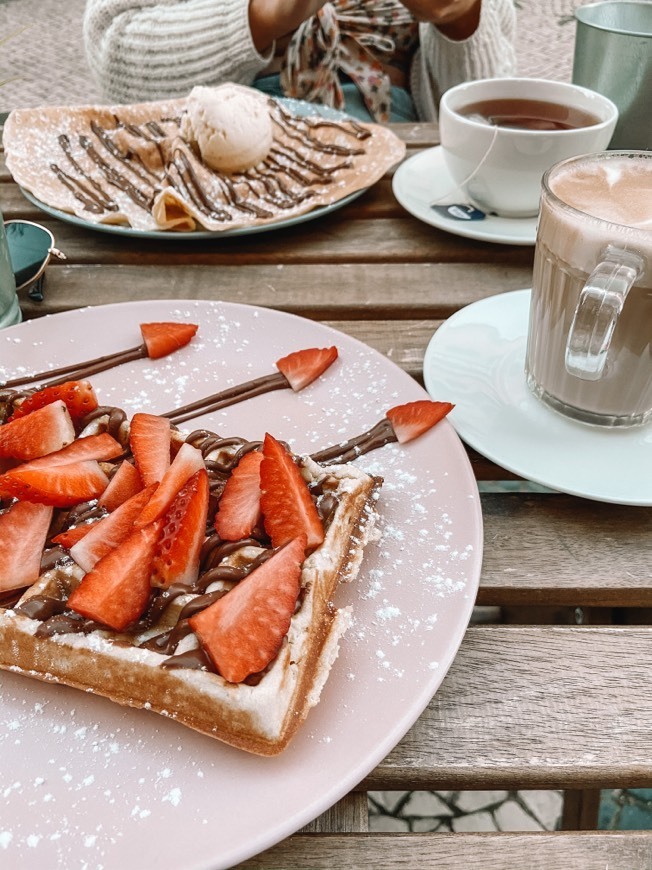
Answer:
(354, 37)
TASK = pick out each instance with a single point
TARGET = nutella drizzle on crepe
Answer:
(284, 180)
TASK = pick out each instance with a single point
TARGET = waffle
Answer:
(258, 716)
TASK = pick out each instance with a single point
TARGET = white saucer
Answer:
(476, 360)
(424, 178)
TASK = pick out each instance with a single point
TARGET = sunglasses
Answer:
(30, 248)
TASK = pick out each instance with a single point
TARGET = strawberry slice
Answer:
(187, 461)
(111, 530)
(413, 419)
(117, 590)
(70, 537)
(149, 438)
(23, 530)
(239, 508)
(184, 532)
(304, 366)
(124, 483)
(288, 509)
(78, 396)
(45, 430)
(243, 631)
(101, 447)
(56, 485)
(164, 338)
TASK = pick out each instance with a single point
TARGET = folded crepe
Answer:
(130, 165)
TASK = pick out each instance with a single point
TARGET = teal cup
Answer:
(613, 56)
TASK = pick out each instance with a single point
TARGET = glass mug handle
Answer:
(598, 309)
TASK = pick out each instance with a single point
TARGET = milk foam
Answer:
(615, 198)
(617, 190)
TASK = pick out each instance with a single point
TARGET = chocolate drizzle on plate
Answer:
(75, 371)
(379, 435)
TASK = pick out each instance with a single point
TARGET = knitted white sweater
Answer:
(151, 49)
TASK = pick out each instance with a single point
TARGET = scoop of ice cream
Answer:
(230, 125)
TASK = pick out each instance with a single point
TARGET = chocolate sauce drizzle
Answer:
(57, 618)
(180, 174)
(257, 193)
(11, 597)
(114, 423)
(76, 371)
(54, 616)
(129, 158)
(299, 127)
(206, 405)
(379, 435)
(91, 195)
(9, 399)
(230, 396)
(114, 176)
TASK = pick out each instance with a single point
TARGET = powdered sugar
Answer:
(88, 783)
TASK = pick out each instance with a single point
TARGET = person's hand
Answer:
(457, 19)
(269, 20)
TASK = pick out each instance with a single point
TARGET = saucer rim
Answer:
(434, 388)
(470, 230)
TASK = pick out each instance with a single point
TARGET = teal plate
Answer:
(195, 235)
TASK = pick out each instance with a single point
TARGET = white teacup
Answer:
(499, 163)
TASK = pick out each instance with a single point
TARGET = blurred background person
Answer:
(377, 59)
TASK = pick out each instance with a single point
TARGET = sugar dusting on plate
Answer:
(86, 782)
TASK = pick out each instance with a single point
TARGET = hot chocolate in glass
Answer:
(589, 353)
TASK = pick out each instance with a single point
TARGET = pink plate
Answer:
(86, 783)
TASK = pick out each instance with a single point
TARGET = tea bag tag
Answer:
(459, 211)
(463, 211)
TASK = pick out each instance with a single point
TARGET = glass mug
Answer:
(589, 348)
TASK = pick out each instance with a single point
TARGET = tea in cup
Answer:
(499, 136)
(589, 350)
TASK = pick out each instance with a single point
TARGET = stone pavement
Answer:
(421, 811)
(42, 63)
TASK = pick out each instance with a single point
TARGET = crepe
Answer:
(129, 165)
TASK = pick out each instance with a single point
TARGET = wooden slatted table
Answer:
(559, 695)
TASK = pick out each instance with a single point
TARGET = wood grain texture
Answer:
(420, 135)
(556, 549)
(348, 815)
(332, 239)
(485, 469)
(534, 707)
(581, 810)
(363, 291)
(545, 851)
